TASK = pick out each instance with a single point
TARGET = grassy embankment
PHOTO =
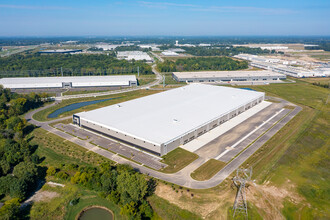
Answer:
(55, 150)
(177, 159)
(208, 170)
(42, 115)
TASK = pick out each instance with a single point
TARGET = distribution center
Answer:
(161, 122)
(225, 76)
(68, 82)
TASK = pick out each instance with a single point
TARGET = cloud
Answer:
(224, 9)
(30, 7)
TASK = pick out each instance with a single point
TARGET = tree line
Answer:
(202, 63)
(321, 46)
(19, 169)
(224, 51)
(82, 64)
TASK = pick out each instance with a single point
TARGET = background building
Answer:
(68, 82)
(161, 122)
(134, 55)
(60, 51)
(217, 76)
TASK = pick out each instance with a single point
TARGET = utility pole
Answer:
(240, 180)
(62, 71)
(138, 69)
(163, 81)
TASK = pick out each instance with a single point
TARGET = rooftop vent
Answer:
(175, 120)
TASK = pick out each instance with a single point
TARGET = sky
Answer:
(169, 18)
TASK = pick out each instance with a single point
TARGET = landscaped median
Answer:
(208, 170)
(177, 160)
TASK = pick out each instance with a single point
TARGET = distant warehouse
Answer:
(68, 82)
(60, 51)
(161, 122)
(217, 76)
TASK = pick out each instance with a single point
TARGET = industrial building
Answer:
(60, 51)
(134, 55)
(169, 53)
(161, 122)
(68, 82)
(225, 76)
(280, 66)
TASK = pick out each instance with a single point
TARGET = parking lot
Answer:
(113, 146)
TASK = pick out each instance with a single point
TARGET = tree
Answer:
(22, 169)
(51, 171)
(10, 210)
(130, 209)
(109, 181)
(134, 184)
(18, 188)
(15, 123)
(5, 183)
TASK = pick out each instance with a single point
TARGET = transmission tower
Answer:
(240, 180)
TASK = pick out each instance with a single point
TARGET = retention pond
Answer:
(74, 106)
(95, 213)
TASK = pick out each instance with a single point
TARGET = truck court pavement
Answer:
(183, 177)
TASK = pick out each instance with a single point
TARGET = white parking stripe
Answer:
(246, 136)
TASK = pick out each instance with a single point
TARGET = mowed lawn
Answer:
(177, 159)
(208, 170)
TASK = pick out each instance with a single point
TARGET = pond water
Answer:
(96, 214)
(248, 89)
(74, 106)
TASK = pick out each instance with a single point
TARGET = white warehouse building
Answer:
(161, 122)
(68, 82)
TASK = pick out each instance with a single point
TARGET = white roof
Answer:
(214, 74)
(165, 116)
(56, 82)
(170, 53)
(136, 55)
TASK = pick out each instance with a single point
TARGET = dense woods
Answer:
(224, 51)
(50, 65)
(200, 63)
(19, 169)
(321, 46)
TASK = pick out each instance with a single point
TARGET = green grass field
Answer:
(42, 115)
(177, 159)
(208, 170)
(169, 80)
(168, 211)
(299, 152)
(56, 150)
(145, 79)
